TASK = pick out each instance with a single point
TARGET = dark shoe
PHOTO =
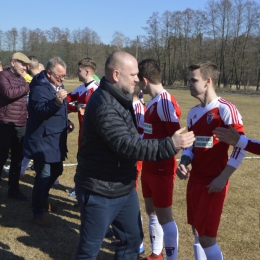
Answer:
(50, 207)
(153, 257)
(18, 195)
(42, 221)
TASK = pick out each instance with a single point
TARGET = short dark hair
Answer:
(88, 62)
(207, 70)
(150, 69)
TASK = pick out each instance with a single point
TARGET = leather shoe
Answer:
(42, 221)
(50, 207)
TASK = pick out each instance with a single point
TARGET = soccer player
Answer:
(211, 169)
(161, 119)
(86, 70)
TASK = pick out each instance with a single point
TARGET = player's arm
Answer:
(237, 154)
(183, 169)
(231, 136)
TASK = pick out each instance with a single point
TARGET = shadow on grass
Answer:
(58, 242)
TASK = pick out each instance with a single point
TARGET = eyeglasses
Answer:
(57, 76)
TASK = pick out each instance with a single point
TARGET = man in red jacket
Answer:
(13, 117)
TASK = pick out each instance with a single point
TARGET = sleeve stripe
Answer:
(165, 106)
(235, 153)
(232, 109)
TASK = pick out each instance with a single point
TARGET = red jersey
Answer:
(209, 155)
(161, 120)
(139, 110)
(81, 95)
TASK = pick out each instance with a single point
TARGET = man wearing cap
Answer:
(13, 117)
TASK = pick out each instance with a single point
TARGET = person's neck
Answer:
(206, 97)
(88, 80)
(13, 72)
(155, 90)
(135, 98)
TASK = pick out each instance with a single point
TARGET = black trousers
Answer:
(11, 137)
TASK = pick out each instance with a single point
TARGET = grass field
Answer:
(239, 232)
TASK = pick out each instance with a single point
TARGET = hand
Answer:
(217, 184)
(227, 136)
(70, 127)
(60, 96)
(183, 172)
(182, 141)
(81, 108)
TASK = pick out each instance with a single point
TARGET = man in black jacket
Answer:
(105, 175)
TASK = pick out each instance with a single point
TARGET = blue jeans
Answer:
(46, 174)
(97, 213)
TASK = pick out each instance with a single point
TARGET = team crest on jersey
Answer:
(152, 238)
(151, 110)
(169, 251)
(210, 117)
(195, 116)
(87, 94)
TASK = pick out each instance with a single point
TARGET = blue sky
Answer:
(102, 16)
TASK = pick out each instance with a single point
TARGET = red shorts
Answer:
(159, 188)
(204, 209)
(138, 172)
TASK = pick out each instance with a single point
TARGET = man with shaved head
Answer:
(106, 170)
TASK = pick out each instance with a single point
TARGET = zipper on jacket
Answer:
(118, 164)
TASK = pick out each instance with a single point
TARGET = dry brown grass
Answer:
(238, 237)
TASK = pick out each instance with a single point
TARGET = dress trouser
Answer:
(46, 174)
(97, 213)
(11, 137)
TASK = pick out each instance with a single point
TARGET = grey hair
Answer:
(55, 61)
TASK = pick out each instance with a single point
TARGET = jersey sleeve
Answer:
(70, 98)
(231, 116)
(169, 114)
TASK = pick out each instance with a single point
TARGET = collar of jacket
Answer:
(41, 79)
(123, 99)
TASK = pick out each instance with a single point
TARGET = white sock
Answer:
(199, 253)
(142, 244)
(213, 252)
(171, 238)
(156, 234)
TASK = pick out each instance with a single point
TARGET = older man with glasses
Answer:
(13, 117)
(46, 134)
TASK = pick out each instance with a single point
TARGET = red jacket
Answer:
(13, 94)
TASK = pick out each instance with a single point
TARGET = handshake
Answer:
(183, 140)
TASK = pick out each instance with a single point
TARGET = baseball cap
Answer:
(21, 57)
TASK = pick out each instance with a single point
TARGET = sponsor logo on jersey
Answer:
(169, 251)
(210, 116)
(204, 142)
(148, 128)
(151, 110)
(152, 238)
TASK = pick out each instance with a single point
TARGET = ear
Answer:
(208, 81)
(146, 81)
(12, 62)
(116, 74)
(48, 74)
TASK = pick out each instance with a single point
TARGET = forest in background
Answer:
(225, 32)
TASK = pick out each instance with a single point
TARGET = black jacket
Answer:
(111, 144)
